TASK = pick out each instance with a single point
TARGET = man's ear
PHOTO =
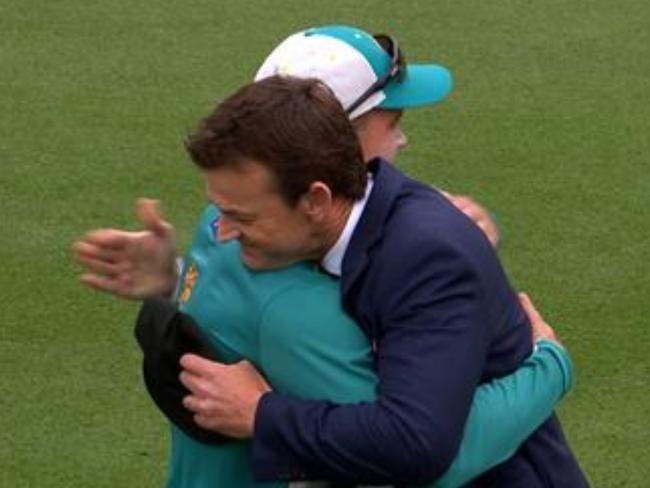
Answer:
(316, 202)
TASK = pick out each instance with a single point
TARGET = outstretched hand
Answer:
(131, 264)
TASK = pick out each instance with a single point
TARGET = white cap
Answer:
(350, 61)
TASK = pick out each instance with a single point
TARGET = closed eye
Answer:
(237, 216)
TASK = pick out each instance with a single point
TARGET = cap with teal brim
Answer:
(350, 60)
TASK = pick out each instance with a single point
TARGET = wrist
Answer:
(171, 287)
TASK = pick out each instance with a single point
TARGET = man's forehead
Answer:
(238, 187)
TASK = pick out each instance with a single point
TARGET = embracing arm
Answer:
(429, 360)
(508, 410)
(503, 414)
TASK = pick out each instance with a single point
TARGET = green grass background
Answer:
(548, 126)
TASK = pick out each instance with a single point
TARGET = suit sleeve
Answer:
(432, 348)
(508, 410)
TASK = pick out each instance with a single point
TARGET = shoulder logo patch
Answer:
(191, 276)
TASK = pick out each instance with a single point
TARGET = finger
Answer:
(474, 213)
(529, 308)
(191, 403)
(197, 385)
(473, 209)
(149, 214)
(102, 267)
(467, 206)
(540, 328)
(85, 249)
(463, 202)
(207, 421)
(116, 285)
(198, 405)
(110, 239)
(200, 366)
(100, 259)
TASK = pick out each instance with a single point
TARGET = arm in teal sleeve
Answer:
(508, 410)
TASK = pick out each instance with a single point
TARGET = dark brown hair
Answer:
(296, 128)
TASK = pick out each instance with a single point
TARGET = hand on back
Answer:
(479, 214)
(540, 329)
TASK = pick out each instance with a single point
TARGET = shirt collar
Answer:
(333, 260)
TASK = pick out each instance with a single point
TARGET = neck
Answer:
(329, 232)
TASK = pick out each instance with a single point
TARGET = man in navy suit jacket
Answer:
(282, 163)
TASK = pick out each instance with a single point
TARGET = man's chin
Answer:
(255, 262)
(249, 260)
(254, 266)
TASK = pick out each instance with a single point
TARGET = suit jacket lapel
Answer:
(387, 185)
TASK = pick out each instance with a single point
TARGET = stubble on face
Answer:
(272, 234)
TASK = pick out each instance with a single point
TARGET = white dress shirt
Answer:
(333, 260)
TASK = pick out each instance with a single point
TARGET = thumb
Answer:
(149, 214)
(529, 308)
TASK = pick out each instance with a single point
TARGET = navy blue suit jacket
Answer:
(428, 290)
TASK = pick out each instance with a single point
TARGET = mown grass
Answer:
(548, 126)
